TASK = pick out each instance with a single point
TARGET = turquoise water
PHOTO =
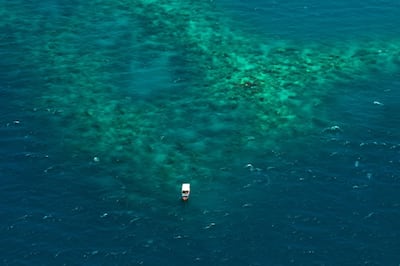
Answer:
(283, 117)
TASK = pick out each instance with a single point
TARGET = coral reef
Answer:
(237, 94)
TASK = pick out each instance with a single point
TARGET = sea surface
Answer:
(107, 107)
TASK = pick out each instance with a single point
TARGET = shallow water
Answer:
(286, 168)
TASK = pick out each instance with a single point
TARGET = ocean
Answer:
(283, 117)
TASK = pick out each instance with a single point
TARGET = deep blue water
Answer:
(326, 198)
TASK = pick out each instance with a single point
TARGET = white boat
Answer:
(185, 191)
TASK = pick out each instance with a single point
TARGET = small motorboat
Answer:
(185, 191)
